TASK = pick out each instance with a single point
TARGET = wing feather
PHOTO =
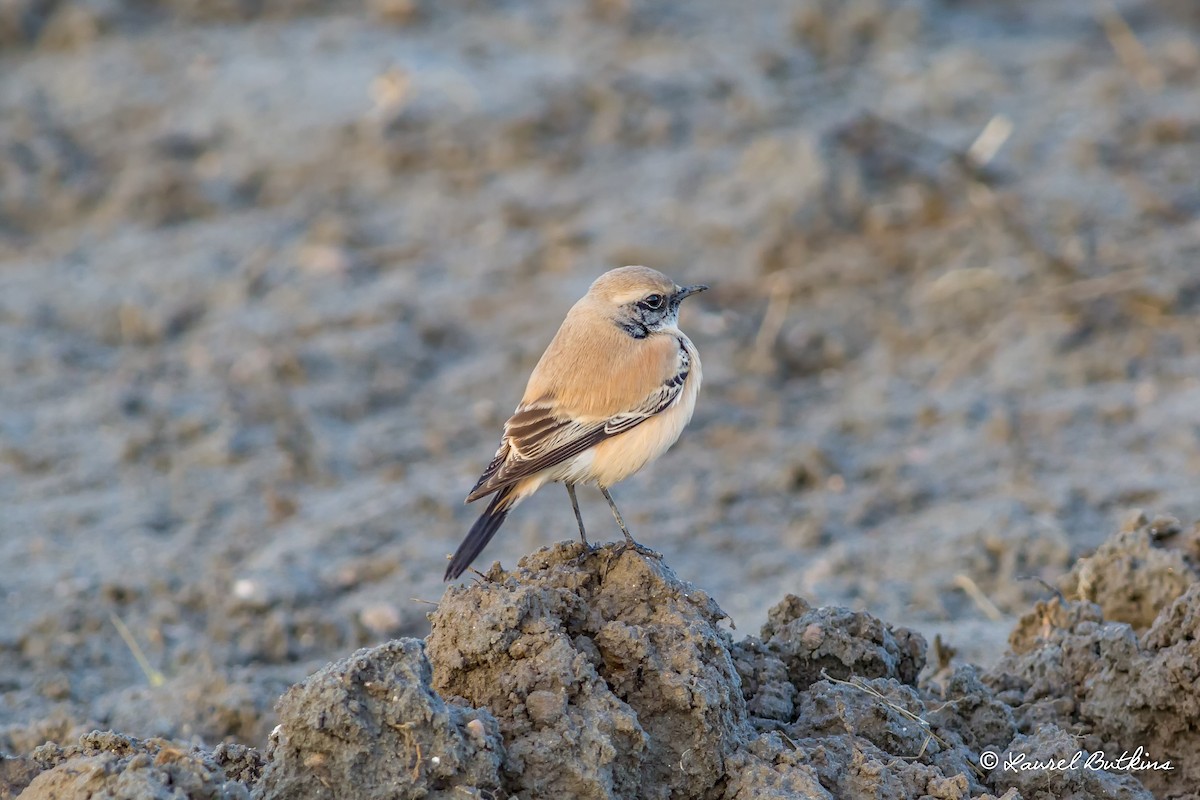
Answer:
(538, 436)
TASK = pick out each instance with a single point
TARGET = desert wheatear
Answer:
(612, 392)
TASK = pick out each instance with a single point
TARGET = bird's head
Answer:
(640, 300)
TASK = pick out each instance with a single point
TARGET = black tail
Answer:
(481, 533)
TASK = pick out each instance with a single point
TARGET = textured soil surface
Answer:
(273, 273)
(599, 674)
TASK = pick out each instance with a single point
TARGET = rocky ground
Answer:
(271, 277)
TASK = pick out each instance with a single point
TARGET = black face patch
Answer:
(639, 318)
(633, 327)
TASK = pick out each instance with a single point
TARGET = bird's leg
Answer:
(578, 516)
(629, 540)
(617, 514)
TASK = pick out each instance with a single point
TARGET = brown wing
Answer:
(539, 435)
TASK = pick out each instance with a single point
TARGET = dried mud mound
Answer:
(603, 655)
(371, 726)
(599, 674)
(106, 764)
(1118, 668)
(1138, 572)
(603, 675)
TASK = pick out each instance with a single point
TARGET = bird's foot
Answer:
(641, 549)
(586, 549)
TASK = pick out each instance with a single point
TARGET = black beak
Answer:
(688, 291)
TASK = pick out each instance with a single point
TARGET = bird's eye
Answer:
(654, 302)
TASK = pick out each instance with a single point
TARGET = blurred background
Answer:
(273, 274)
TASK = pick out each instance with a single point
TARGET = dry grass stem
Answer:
(155, 677)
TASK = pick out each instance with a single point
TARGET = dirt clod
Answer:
(1133, 575)
(611, 655)
(107, 764)
(1118, 691)
(371, 727)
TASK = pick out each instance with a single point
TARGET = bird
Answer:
(613, 391)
